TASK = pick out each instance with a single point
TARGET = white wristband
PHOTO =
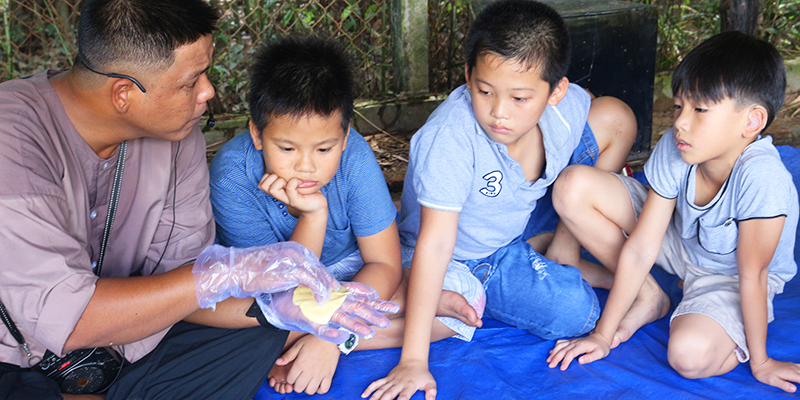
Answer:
(349, 344)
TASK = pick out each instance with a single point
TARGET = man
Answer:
(140, 79)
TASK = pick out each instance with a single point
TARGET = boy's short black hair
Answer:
(301, 76)
(143, 33)
(733, 65)
(525, 31)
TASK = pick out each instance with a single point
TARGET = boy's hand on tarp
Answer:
(403, 381)
(360, 304)
(593, 348)
(287, 192)
(779, 374)
(223, 272)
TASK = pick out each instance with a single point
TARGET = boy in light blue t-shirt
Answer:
(478, 169)
(721, 213)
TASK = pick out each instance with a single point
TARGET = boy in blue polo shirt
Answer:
(721, 213)
(477, 170)
(302, 174)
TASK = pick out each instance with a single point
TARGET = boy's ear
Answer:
(558, 92)
(756, 121)
(346, 134)
(255, 134)
(466, 74)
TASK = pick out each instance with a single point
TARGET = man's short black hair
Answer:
(143, 33)
(524, 31)
(301, 76)
(733, 65)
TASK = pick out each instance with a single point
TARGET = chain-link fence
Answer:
(40, 34)
(449, 22)
(362, 25)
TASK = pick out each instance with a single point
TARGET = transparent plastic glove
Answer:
(222, 272)
(360, 304)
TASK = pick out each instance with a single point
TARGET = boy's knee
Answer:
(612, 119)
(570, 188)
(689, 357)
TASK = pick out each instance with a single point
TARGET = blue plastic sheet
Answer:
(503, 362)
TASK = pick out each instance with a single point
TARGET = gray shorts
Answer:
(705, 292)
(459, 279)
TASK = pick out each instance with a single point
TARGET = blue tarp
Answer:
(502, 362)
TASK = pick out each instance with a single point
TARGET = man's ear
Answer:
(255, 134)
(756, 121)
(122, 93)
(558, 92)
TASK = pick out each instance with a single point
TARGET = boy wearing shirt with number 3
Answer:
(478, 171)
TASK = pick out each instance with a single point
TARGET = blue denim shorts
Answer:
(528, 291)
(544, 218)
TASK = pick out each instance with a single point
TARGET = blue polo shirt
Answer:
(359, 203)
(455, 166)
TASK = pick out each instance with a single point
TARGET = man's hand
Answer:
(287, 193)
(403, 381)
(221, 272)
(780, 374)
(360, 304)
(594, 347)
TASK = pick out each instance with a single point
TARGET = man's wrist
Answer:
(255, 312)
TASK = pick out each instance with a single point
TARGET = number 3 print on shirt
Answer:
(493, 185)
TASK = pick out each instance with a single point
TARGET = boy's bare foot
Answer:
(277, 378)
(452, 304)
(541, 242)
(650, 305)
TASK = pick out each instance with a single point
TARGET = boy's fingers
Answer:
(430, 394)
(568, 357)
(288, 356)
(266, 182)
(372, 386)
(589, 357)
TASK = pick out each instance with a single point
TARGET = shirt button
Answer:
(93, 214)
(94, 265)
(285, 213)
(280, 206)
(105, 165)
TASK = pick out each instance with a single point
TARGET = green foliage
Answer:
(683, 24)
(40, 34)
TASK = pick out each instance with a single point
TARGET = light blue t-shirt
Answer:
(759, 187)
(455, 166)
(359, 203)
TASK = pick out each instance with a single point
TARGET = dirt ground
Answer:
(391, 148)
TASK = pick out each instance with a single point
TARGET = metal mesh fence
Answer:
(35, 35)
(449, 21)
(40, 34)
(363, 25)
